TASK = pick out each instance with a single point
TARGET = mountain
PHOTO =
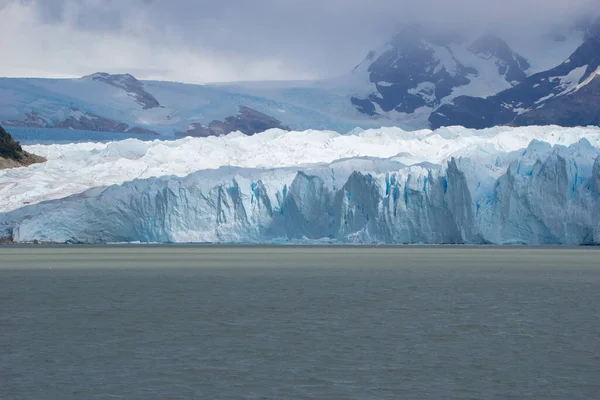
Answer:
(422, 77)
(98, 102)
(566, 95)
(532, 185)
(12, 154)
(418, 71)
(122, 104)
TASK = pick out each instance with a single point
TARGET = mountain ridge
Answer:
(550, 97)
(421, 78)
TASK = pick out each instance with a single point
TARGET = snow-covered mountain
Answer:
(533, 185)
(420, 78)
(418, 71)
(567, 95)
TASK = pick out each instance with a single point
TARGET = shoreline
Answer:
(12, 244)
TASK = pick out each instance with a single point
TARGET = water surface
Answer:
(183, 322)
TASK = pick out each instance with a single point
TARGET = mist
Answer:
(230, 40)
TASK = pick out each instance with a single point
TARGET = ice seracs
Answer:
(534, 185)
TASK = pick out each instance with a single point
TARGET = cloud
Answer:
(37, 42)
(202, 41)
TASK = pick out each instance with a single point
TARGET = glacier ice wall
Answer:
(74, 168)
(414, 204)
(537, 185)
(546, 195)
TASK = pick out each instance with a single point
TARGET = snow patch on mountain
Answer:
(595, 74)
(569, 82)
(492, 72)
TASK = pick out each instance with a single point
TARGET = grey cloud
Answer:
(316, 37)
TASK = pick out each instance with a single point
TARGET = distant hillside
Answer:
(12, 154)
(423, 77)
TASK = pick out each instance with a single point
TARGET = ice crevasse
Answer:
(534, 185)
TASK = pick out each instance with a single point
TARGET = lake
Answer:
(218, 322)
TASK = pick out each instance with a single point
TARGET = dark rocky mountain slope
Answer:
(247, 121)
(566, 95)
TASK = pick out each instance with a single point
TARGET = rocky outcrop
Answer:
(12, 154)
(79, 120)
(247, 121)
(90, 122)
(32, 120)
(131, 85)
(581, 108)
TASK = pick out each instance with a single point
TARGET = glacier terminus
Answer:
(502, 185)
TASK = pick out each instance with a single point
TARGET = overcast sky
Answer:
(225, 40)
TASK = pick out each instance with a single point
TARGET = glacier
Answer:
(503, 185)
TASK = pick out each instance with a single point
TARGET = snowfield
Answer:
(533, 185)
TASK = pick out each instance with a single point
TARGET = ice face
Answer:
(535, 185)
(548, 196)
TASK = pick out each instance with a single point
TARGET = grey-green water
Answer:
(189, 322)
